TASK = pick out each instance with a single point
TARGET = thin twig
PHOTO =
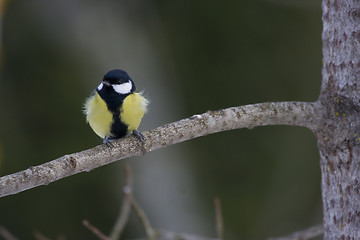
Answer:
(39, 236)
(150, 232)
(6, 234)
(95, 230)
(219, 219)
(249, 116)
(124, 213)
(309, 233)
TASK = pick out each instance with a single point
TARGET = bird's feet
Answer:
(139, 135)
(107, 141)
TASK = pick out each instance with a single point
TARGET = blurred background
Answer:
(189, 57)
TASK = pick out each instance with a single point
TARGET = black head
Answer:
(119, 81)
(116, 77)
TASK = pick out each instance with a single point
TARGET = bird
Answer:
(114, 109)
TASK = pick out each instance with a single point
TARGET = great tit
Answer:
(114, 110)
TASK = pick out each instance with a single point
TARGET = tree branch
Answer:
(95, 230)
(249, 116)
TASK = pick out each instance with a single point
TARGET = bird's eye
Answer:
(107, 82)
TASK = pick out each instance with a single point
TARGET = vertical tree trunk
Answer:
(339, 135)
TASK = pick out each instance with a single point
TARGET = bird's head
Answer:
(119, 81)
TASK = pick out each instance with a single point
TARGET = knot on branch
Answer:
(70, 162)
(340, 122)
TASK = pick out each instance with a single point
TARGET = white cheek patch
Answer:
(124, 88)
(100, 86)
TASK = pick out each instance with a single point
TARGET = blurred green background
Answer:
(189, 57)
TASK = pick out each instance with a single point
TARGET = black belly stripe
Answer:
(118, 128)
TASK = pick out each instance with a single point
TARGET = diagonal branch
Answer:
(95, 230)
(6, 234)
(248, 116)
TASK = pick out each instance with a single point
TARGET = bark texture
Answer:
(339, 136)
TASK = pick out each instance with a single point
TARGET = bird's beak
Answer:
(106, 83)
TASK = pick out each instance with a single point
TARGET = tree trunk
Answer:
(339, 135)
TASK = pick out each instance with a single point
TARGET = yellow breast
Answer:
(98, 115)
(133, 110)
